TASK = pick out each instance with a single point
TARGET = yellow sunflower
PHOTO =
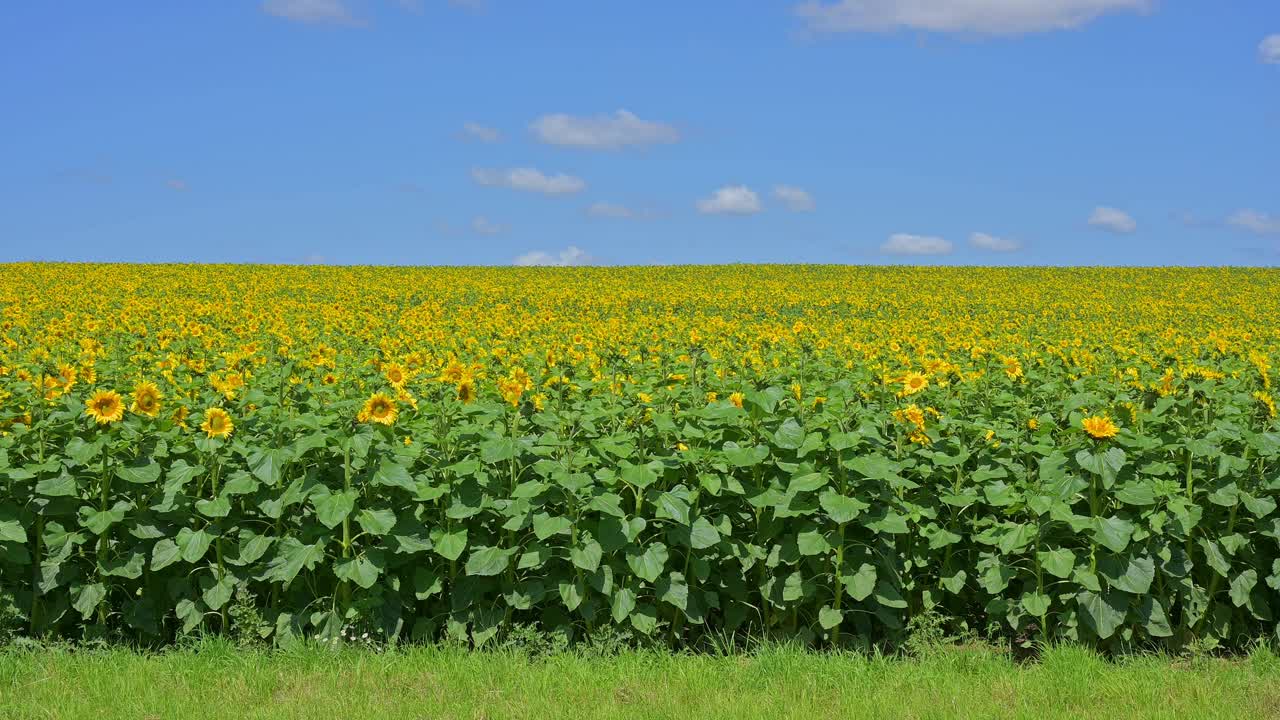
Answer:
(1100, 427)
(105, 407)
(912, 383)
(217, 423)
(146, 399)
(467, 391)
(379, 408)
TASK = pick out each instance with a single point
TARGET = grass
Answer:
(220, 681)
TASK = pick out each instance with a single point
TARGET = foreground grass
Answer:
(220, 682)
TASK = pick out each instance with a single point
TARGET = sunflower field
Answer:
(667, 453)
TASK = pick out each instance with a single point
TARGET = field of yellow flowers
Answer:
(669, 453)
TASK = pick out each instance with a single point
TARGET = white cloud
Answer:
(476, 131)
(796, 200)
(529, 180)
(1269, 49)
(906, 244)
(731, 200)
(571, 255)
(485, 226)
(988, 17)
(316, 12)
(993, 243)
(610, 210)
(602, 132)
(1109, 218)
(1255, 222)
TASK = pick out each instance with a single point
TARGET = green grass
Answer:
(216, 681)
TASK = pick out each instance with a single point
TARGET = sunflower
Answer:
(912, 383)
(396, 375)
(736, 399)
(467, 391)
(1099, 427)
(379, 408)
(146, 399)
(217, 423)
(106, 406)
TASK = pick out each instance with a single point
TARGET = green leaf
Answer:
(393, 474)
(291, 558)
(488, 561)
(703, 534)
(1153, 618)
(640, 476)
(449, 545)
(888, 596)
(587, 556)
(1103, 612)
(87, 598)
(219, 592)
(622, 603)
(1035, 603)
(649, 563)
(63, 485)
(1129, 574)
(164, 553)
(544, 526)
(892, 524)
(1058, 562)
(860, 584)
(216, 508)
(1137, 492)
(745, 457)
(12, 531)
(1112, 533)
(807, 482)
(1241, 585)
(140, 473)
(332, 509)
(812, 542)
(267, 464)
(829, 617)
(789, 435)
(376, 522)
(839, 508)
(361, 570)
(193, 543)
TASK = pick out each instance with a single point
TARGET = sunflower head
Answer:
(217, 423)
(146, 399)
(396, 375)
(912, 383)
(379, 408)
(105, 407)
(467, 391)
(736, 399)
(1099, 427)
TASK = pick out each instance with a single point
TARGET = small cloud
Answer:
(610, 210)
(571, 255)
(731, 200)
(1113, 220)
(907, 244)
(794, 198)
(485, 226)
(529, 180)
(1269, 49)
(1255, 222)
(602, 132)
(995, 244)
(315, 260)
(311, 12)
(985, 17)
(177, 185)
(476, 131)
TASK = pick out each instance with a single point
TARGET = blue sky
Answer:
(578, 131)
